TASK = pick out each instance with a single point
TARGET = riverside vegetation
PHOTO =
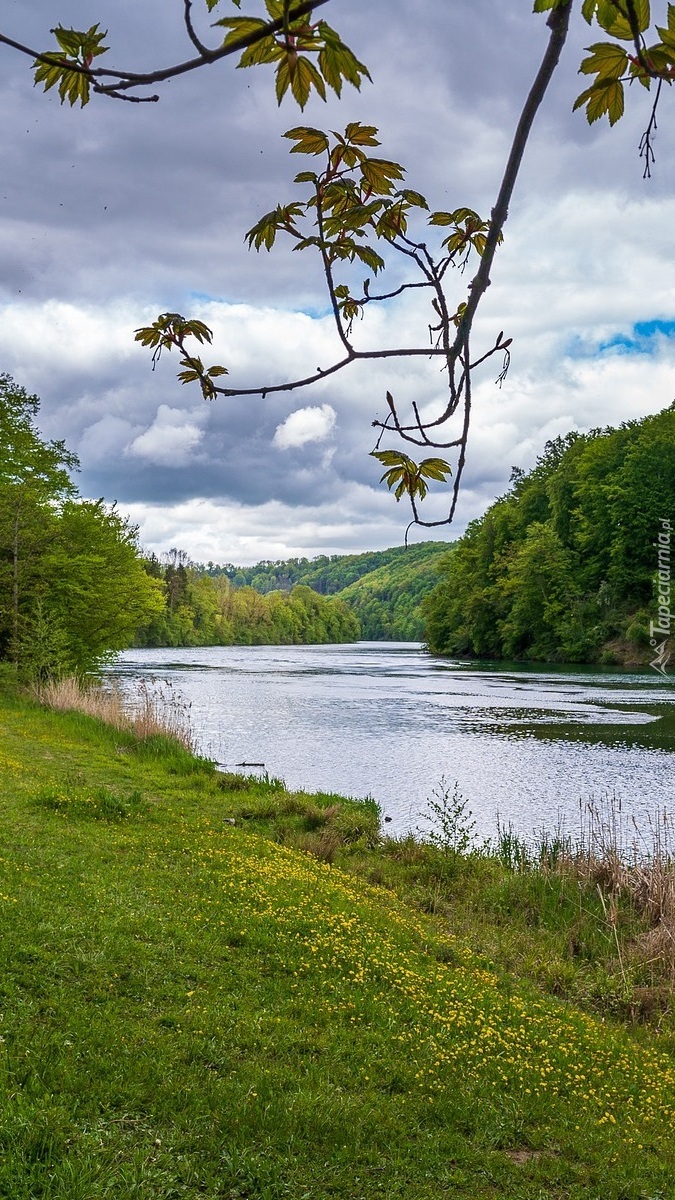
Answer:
(215, 987)
(563, 568)
(339, 598)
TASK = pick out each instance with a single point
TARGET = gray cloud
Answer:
(110, 215)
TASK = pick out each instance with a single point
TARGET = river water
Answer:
(526, 745)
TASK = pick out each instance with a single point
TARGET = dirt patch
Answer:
(521, 1157)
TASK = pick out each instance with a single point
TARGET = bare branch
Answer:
(191, 32)
(646, 147)
(558, 23)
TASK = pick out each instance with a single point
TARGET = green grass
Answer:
(193, 1009)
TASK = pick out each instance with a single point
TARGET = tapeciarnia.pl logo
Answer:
(659, 630)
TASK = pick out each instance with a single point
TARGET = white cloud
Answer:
(313, 424)
(223, 531)
(170, 440)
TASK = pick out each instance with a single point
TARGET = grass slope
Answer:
(190, 1010)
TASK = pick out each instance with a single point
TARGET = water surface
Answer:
(390, 721)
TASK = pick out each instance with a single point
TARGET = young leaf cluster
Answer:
(330, 64)
(356, 203)
(407, 477)
(613, 64)
(67, 68)
(469, 232)
(170, 330)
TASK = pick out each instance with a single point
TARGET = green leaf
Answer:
(264, 51)
(435, 468)
(357, 134)
(337, 62)
(240, 27)
(304, 76)
(309, 141)
(370, 257)
(603, 97)
(69, 40)
(414, 199)
(379, 175)
(283, 79)
(616, 24)
(668, 42)
(454, 218)
(191, 373)
(264, 232)
(607, 61)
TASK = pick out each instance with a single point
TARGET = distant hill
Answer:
(383, 588)
(387, 599)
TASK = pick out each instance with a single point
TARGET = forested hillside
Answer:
(325, 574)
(206, 610)
(72, 583)
(383, 588)
(564, 567)
(387, 600)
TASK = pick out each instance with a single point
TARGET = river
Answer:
(528, 745)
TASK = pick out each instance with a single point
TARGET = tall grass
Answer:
(150, 711)
(623, 860)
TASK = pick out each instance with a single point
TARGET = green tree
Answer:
(72, 584)
(34, 482)
(563, 568)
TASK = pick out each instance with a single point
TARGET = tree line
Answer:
(563, 568)
(382, 588)
(207, 609)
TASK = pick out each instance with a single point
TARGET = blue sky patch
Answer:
(642, 339)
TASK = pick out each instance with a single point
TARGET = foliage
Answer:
(450, 823)
(563, 567)
(356, 216)
(382, 588)
(402, 475)
(206, 610)
(72, 585)
(298, 38)
(325, 573)
(388, 599)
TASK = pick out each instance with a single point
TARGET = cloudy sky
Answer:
(111, 215)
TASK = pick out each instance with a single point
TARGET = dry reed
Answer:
(152, 710)
(624, 858)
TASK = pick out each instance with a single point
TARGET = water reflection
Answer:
(389, 720)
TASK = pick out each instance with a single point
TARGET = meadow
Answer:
(212, 987)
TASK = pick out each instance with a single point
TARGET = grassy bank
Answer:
(193, 1008)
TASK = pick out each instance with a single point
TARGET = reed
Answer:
(151, 710)
(623, 860)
